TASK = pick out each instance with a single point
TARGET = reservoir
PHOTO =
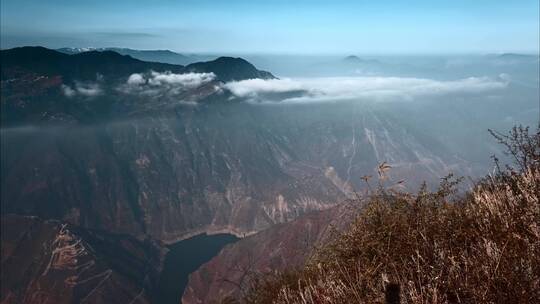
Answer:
(184, 258)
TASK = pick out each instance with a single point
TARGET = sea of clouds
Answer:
(320, 89)
(314, 89)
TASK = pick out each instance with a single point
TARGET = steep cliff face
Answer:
(222, 167)
(170, 155)
(282, 247)
(168, 177)
(55, 262)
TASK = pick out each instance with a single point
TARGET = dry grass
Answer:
(480, 247)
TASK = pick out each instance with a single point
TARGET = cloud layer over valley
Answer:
(188, 87)
(322, 89)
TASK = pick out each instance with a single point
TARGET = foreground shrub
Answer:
(437, 247)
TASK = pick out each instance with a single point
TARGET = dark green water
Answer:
(184, 258)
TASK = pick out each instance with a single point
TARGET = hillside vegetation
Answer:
(432, 247)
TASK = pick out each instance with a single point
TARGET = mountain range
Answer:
(31, 73)
(164, 56)
(118, 150)
(111, 64)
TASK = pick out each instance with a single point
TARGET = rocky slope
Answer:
(224, 167)
(46, 261)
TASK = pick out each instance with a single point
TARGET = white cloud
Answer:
(88, 89)
(252, 87)
(82, 89)
(188, 80)
(350, 88)
(136, 79)
(68, 91)
(164, 84)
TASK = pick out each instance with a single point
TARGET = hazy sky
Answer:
(276, 26)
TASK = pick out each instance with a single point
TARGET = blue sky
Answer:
(277, 26)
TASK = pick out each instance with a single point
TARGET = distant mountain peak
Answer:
(106, 55)
(507, 55)
(355, 60)
(163, 56)
(352, 58)
(230, 69)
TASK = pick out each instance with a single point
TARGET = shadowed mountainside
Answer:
(47, 261)
(85, 65)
